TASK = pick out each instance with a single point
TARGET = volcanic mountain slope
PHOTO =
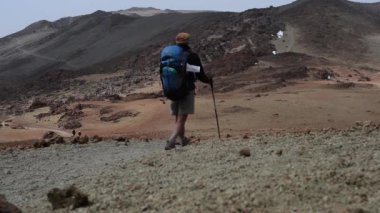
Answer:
(44, 53)
(334, 28)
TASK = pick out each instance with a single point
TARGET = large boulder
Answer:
(36, 104)
(67, 198)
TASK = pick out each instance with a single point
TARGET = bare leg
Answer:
(179, 129)
(183, 120)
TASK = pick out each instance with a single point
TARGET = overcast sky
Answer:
(17, 14)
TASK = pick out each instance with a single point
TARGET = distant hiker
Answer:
(179, 69)
(79, 133)
(73, 132)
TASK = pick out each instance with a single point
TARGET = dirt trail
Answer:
(59, 132)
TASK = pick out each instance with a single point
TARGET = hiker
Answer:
(180, 64)
(73, 132)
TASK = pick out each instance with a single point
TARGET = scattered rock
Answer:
(364, 78)
(42, 115)
(354, 210)
(84, 140)
(45, 144)
(49, 135)
(148, 162)
(36, 104)
(37, 145)
(70, 120)
(71, 124)
(120, 139)
(96, 139)
(67, 198)
(345, 85)
(228, 136)
(323, 74)
(53, 138)
(117, 116)
(6, 207)
(246, 152)
(105, 110)
(114, 97)
(75, 140)
(279, 152)
(245, 137)
(16, 126)
(80, 107)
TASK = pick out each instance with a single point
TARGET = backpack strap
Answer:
(185, 57)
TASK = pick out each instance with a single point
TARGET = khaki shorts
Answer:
(184, 106)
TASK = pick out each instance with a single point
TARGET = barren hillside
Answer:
(334, 28)
(46, 56)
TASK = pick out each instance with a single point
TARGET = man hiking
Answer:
(180, 68)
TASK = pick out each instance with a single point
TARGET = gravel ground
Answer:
(27, 175)
(332, 172)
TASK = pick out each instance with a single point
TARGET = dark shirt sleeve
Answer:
(194, 59)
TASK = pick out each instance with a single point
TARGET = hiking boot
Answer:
(170, 145)
(185, 141)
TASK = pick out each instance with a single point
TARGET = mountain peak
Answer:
(141, 11)
(141, 8)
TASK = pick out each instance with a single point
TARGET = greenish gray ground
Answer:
(324, 172)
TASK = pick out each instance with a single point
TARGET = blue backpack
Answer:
(173, 72)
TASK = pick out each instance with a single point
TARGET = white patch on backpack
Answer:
(193, 68)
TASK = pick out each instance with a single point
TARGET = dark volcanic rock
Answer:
(84, 140)
(105, 110)
(37, 104)
(121, 139)
(17, 126)
(6, 207)
(245, 152)
(53, 138)
(96, 139)
(364, 78)
(67, 198)
(49, 135)
(75, 140)
(114, 97)
(117, 116)
(70, 124)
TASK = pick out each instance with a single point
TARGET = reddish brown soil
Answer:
(300, 105)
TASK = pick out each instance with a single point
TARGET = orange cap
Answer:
(182, 38)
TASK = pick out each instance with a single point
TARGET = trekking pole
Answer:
(216, 112)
